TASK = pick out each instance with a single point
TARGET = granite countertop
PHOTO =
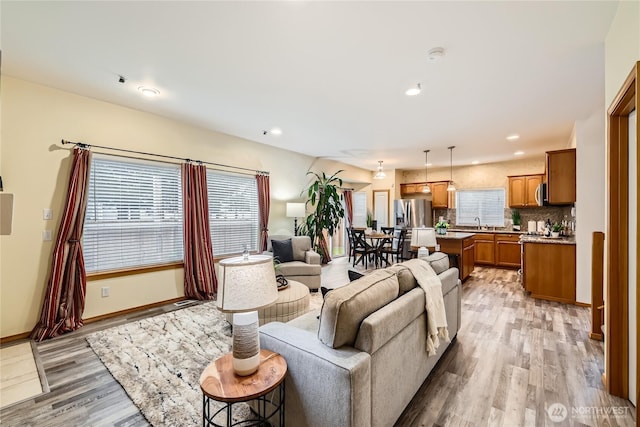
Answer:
(454, 235)
(570, 240)
(469, 230)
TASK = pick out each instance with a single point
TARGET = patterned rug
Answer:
(158, 361)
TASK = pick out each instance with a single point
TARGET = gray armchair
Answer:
(305, 268)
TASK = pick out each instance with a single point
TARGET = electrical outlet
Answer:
(47, 214)
(105, 291)
(47, 235)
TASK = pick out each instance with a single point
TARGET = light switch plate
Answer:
(47, 214)
(47, 235)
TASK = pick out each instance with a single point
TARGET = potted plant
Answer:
(326, 212)
(556, 229)
(515, 216)
(441, 227)
(370, 222)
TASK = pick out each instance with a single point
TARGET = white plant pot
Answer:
(555, 234)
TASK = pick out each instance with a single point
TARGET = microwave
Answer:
(541, 194)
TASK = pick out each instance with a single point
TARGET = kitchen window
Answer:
(233, 212)
(134, 214)
(487, 205)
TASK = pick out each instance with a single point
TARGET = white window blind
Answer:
(233, 212)
(359, 209)
(134, 214)
(488, 205)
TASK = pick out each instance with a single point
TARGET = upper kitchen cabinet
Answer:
(439, 194)
(522, 190)
(561, 177)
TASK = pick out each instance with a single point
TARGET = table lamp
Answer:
(247, 283)
(295, 211)
(421, 238)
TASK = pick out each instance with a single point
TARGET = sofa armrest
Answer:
(324, 386)
(312, 257)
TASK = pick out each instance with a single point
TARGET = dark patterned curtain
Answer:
(200, 280)
(67, 286)
(264, 204)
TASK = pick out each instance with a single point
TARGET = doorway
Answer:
(381, 207)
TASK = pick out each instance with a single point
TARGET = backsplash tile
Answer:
(542, 213)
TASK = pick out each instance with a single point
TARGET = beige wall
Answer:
(35, 118)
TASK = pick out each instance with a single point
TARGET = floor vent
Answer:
(183, 303)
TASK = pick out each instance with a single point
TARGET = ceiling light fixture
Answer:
(435, 54)
(426, 188)
(451, 186)
(414, 90)
(149, 91)
(518, 153)
(475, 162)
(380, 174)
(513, 137)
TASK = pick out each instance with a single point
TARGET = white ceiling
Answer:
(331, 75)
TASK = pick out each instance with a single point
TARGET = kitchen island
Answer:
(549, 267)
(461, 247)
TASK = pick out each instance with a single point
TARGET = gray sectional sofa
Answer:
(361, 362)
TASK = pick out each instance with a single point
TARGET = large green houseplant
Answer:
(326, 211)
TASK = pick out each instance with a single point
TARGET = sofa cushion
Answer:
(276, 237)
(344, 308)
(439, 261)
(406, 281)
(300, 245)
(282, 250)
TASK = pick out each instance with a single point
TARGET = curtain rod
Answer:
(84, 145)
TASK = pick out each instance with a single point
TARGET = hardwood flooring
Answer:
(513, 358)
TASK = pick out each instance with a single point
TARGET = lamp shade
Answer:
(423, 237)
(296, 210)
(246, 284)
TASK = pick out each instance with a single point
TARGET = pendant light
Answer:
(451, 186)
(380, 174)
(426, 189)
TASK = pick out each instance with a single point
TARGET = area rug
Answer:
(158, 361)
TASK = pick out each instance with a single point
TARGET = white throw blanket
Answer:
(434, 303)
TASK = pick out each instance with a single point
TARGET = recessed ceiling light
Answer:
(276, 131)
(428, 164)
(149, 91)
(518, 153)
(513, 137)
(414, 90)
(475, 162)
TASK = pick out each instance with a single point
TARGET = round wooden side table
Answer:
(218, 382)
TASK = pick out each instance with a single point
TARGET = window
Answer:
(488, 205)
(359, 209)
(134, 214)
(233, 212)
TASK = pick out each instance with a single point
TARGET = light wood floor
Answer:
(513, 357)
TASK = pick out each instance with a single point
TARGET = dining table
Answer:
(378, 242)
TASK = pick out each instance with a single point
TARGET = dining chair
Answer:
(361, 248)
(396, 248)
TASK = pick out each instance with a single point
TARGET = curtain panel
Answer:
(66, 288)
(200, 280)
(264, 205)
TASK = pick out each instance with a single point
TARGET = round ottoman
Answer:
(291, 303)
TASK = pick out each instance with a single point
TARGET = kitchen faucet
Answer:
(477, 219)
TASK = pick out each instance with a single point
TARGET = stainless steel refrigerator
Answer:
(412, 213)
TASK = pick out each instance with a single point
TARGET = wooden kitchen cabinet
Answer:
(549, 271)
(463, 248)
(522, 190)
(507, 250)
(561, 177)
(485, 249)
(439, 194)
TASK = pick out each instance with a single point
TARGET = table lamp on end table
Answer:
(423, 237)
(247, 284)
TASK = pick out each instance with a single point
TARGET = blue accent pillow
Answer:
(282, 250)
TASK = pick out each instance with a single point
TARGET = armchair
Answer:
(305, 267)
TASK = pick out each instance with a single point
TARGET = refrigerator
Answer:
(413, 213)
